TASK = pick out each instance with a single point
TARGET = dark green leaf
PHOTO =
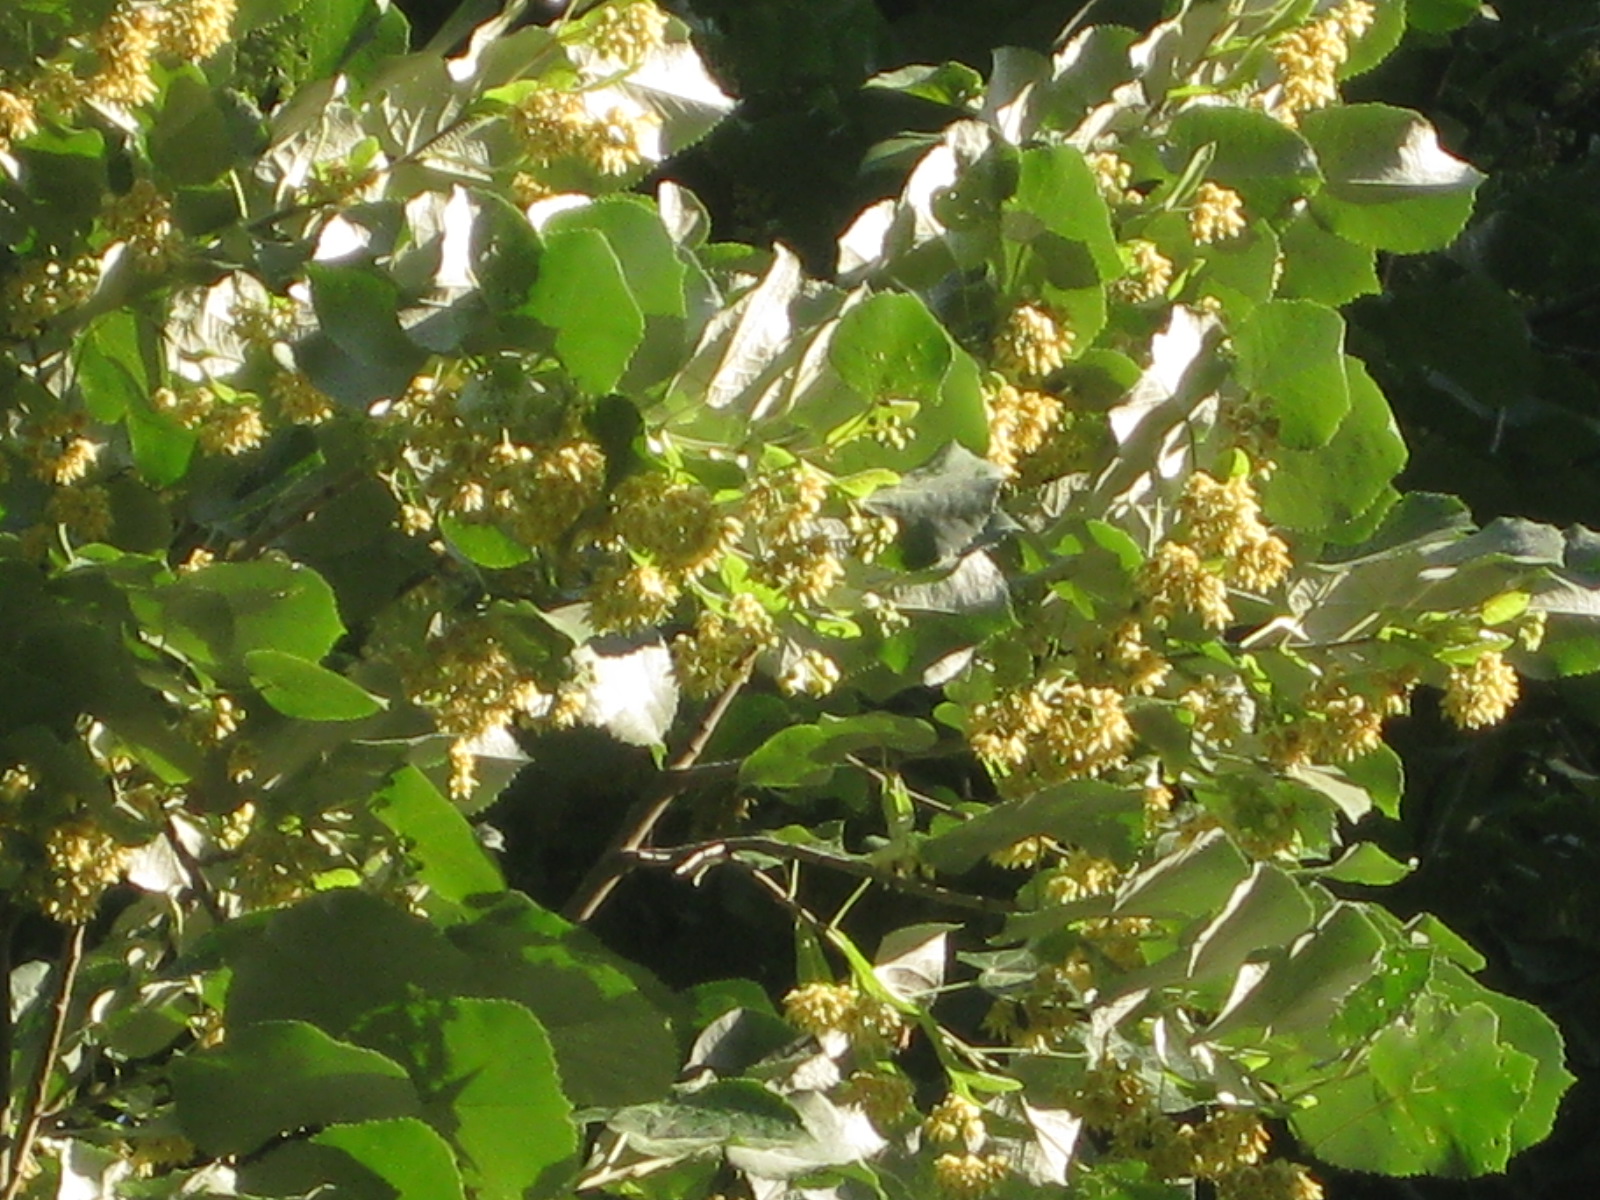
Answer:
(406, 1154)
(1101, 817)
(279, 1076)
(1314, 489)
(299, 688)
(582, 293)
(450, 860)
(1441, 16)
(1438, 1094)
(1389, 184)
(1292, 353)
(1268, 164)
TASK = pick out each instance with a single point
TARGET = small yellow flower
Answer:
(1175, 580)
(18, 118)
(1020, 419)
(955, 1120)
(628, 30)
(197, 29)
(126, 46)
(1149, 274)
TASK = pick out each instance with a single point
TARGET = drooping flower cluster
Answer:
(1149, 273)
(627, 30)
(19, 118)
(676, 523)
(1020, 419)
(82, 860)
(231, 425)
(1032, 343)
(1175, 580)
(1112, 175)
(708, 660)
(798, 556)
(1056, 730)
(1483, 693)
(1222, 520)
(819, 1008)
(955, 1120)
(1121, 658)
(969, 1176)
(141, 218)
(1217, 214)
(1309, 58)
(555, 125)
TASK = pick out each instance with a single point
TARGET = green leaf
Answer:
(111, 372)
(606, 1018)
(1322, 266)
(1382, 775)
(487, 545)
(737, 1112)
(806, 755)
(1197, 879)
(1268, 164)
(299, 688)
(1313, 490)
(1441, 16)
(450, 860)
(279, 1076)
(360, 354)
(1056, 192)
(1101, 817)
(1437, 1094)
(191, 142)
(1306, 986)
(1292, 352)
(407, 1155)
(488, 1082)
(1365, 864)
(643, 248)
(1389, 183)
(1267, 908)
(1531, 1032)
(944, 508)
(582, 293)
(219, 614)
(952, 84)
(161, 447)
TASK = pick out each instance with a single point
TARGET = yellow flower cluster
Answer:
(1309, 58)
(552, 126)
(85, 511)
(886, 1098)
(1122, 659)
(811, 673)
(126, 46)
(194, 30)
(819, 1008)
(1112, 175)
(1218, 213)
(1053, 731)
(1228, 1139)
(1223, 521)
(81, 862)
(1023, 855)
(1483, 693)
(141, 218)
(955, 1120)
(1222, 709)
(1149, 273)
(1032, 343)
(42, 288)
(798, 558)
(222, 426)
(676, 523)
(299, 401)
(632, 596)
(19, 118)
(1275, 1180)
(968, 1176)
(708, 660)
(1020, 419)
(1174, 580)
(1080, 875)
(628, 30)
(472, 685)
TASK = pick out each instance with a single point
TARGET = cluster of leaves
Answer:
(354, 430)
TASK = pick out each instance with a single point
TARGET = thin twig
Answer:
(32, 1111)
(694, 858)
(8, 930)
(643, 817)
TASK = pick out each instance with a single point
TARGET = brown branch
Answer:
(691, 859)
(32, 1111)
(8, 930)
(647, 812)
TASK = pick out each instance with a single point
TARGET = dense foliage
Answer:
(371, 427)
